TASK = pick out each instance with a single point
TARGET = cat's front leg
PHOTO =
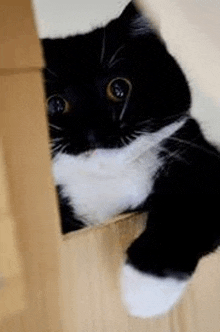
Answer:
(146, 295)
(150, 289)
(159, 265)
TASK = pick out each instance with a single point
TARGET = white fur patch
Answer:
(145, 295)
(103, 183)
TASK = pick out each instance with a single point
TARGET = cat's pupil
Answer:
(56, 105)
(119, 88)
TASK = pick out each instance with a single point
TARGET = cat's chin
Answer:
(145, 295)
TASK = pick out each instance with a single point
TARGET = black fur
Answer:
(78, 69)
(69, 223)
(183, 206)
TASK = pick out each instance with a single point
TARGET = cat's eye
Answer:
(57, 105)
(118, 89)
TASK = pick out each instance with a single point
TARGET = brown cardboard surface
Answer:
(11, 277)
(91, 262)
(90, 272)
(18, 39)
(30, 232)
(33, 204)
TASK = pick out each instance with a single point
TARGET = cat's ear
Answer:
(135, 21)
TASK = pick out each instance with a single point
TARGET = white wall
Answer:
(63, 17)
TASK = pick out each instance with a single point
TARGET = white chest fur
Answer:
(104, 183)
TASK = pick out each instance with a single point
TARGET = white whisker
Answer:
(154, 120)
(57, 148)
(58, 139)
(125, 106)
(55, 127)
(143, 122)
(140, 132)
(183, 141)
(123, 141)
(114, 62)
(64, 147)
(129, 139)
(173, 155)
(191, 144)
(134, 136)
(50, 71)
(103, 47)
(115, 54)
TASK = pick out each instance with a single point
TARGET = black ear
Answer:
(135, 21)
(129, 12)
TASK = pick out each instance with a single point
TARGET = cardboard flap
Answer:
(20, 47)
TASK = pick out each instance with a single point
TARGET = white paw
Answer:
(145, 295)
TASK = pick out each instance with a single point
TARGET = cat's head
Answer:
(107, 87)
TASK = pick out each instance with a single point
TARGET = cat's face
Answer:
(109, 86)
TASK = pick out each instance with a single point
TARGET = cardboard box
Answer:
(65, 283)
(30, 232)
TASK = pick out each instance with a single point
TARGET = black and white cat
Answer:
(123, 140)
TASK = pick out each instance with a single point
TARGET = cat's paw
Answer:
(145, 295)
